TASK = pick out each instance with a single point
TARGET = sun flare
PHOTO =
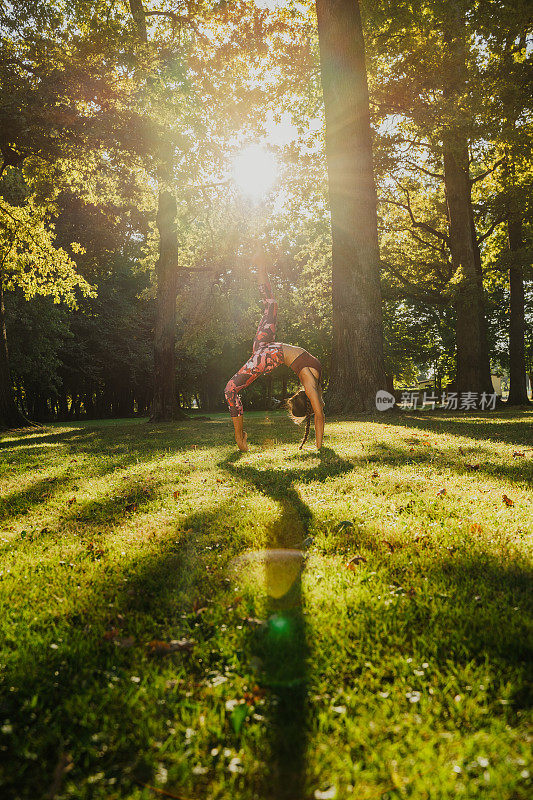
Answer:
(255, 171)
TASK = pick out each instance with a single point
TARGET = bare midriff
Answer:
(290, 353)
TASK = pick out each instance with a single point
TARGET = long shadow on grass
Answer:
(503, 429)
(64, 700)
(282, 645)
(478, 462)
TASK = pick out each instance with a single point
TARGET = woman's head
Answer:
(301, 410)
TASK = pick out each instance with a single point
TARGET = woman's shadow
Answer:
(281, 644)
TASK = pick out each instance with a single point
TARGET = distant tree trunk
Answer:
(164, 402)
(357, 365)
(485, 355)
(517, 326)
(10, 415)
(473, 367)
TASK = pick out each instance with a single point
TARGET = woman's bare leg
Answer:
(240, 434)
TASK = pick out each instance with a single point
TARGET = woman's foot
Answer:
(242, 443)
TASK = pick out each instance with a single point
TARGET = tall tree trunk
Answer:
(485, 355)
(357, 366)
(517, 326)
(473, 367)
(10, 416)
(164, 402)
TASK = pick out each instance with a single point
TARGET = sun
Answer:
(255, 170)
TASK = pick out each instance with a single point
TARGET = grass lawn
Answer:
(144, 654)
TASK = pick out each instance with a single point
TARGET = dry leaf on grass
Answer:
(441, 492)
(157, 647)
(507, 500)
(352, 563)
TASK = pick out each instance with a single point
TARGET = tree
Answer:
(357, 367)
(31, 262)
(165, 401)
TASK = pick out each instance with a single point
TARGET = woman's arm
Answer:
(309, 385)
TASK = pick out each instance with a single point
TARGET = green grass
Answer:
(404, 675)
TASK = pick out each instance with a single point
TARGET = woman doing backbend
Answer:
(266, 356)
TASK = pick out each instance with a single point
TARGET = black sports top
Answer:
(305, 359)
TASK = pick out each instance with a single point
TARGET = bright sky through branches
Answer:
(254, 171)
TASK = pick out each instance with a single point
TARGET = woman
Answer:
(266, 356)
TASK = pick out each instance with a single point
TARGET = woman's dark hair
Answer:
(300, 409)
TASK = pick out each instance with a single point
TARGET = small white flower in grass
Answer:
(135, 679)
(230, 704)
(457, 698)
(339, 709)
(199, 770)
(214, 751)
(54, 646)
(7, 728)
(95, 778)
(425, 665)
(413, 697)
(524, 773)
(189, 733)
(419, 672)
(408, 660)
(383, 694)
(227, 752)
(457, 769)
(482, 761)
(161, 775)
(327, 794)
(235, 765)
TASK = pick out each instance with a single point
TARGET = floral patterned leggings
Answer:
(266, 353)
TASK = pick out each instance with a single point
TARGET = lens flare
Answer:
(276, 570)
(254, 171)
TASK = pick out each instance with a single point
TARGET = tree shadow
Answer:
(508, 428)
(282, 646)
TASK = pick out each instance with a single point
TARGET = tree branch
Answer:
(438, 175)
(423, 225)
(484, 174)
(489, 231)
(429, 295)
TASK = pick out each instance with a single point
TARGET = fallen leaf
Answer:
(176, 494)
(125, 643)
(345, 523)
(516, 454)
(441, 492)
(476, 528)
(507, 500)
(72, 500)
(157, 647)
(354, 561)
(375, 474)
(254, 696)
